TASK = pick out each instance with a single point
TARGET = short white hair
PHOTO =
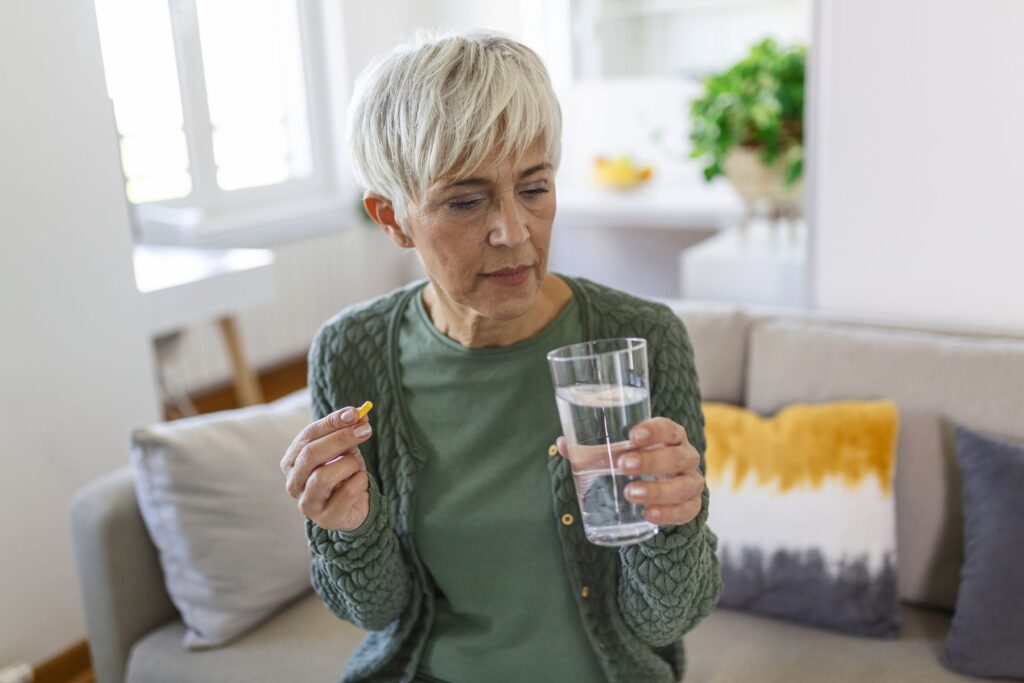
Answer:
(436, 108)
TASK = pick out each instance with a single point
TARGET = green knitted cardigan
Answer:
(640, 599)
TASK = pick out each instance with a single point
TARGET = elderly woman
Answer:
(444, 522)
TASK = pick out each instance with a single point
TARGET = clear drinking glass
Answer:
(601, 390)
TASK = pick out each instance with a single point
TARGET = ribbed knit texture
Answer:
(641, 599)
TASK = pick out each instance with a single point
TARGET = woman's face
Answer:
(498, 218)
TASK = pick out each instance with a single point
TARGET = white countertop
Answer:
(659, 204)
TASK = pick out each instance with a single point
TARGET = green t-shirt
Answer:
(484, 518)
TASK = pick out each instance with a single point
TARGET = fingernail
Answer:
(654, 512)
(362, 431)
(639, 435)
(628, 461)
(348, 415)
(637, 491)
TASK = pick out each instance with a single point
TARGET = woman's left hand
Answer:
(659, 447)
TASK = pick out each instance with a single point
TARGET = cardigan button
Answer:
(585, 592)
(552, 450)
(568, 519)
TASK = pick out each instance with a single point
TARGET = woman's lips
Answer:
(508, 278)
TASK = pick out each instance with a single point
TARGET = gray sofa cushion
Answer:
(718, 334)
(937, 378)
(303, 643)
(737, 647)
(987, 635)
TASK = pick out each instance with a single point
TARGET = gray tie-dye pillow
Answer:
(986, 637)
(802, 504)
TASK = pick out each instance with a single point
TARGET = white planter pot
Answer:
(763, 188)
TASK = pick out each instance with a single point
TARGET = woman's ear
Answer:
(382, 211)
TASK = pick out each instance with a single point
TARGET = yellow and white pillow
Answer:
(802, 504)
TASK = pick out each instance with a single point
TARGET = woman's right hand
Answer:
(325, 471)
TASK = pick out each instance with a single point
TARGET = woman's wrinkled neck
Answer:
(474, 331)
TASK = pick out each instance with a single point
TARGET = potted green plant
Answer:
(749, 127)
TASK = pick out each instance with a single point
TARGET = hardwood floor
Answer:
(70, 666)
(275, 382)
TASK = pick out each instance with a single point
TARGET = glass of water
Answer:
(601, 390)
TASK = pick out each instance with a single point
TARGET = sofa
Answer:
(759, 358)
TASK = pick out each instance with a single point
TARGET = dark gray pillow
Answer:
(987, 634)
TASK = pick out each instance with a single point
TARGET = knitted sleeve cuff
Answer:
(333, 542)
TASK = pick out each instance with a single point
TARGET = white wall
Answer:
(466, 14)
(76, 366)
(372, 28)
(919, 195)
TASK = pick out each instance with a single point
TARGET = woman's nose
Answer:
(508, 228)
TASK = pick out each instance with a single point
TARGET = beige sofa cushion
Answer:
(718, 334)
(305, 642)
(737, 647)
(231, 541)
(929, 513)
(936, 380)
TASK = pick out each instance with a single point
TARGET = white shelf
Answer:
(644, 9)
(656, 205)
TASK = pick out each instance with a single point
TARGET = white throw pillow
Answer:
(231, 540)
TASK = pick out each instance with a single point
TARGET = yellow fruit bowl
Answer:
(619, 173)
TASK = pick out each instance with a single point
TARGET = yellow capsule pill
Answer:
(364, 409)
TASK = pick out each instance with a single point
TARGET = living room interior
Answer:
(826, 192)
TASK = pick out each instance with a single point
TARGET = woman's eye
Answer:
(463, 205)
(536, 191)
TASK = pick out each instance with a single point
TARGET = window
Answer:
(220, 108)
